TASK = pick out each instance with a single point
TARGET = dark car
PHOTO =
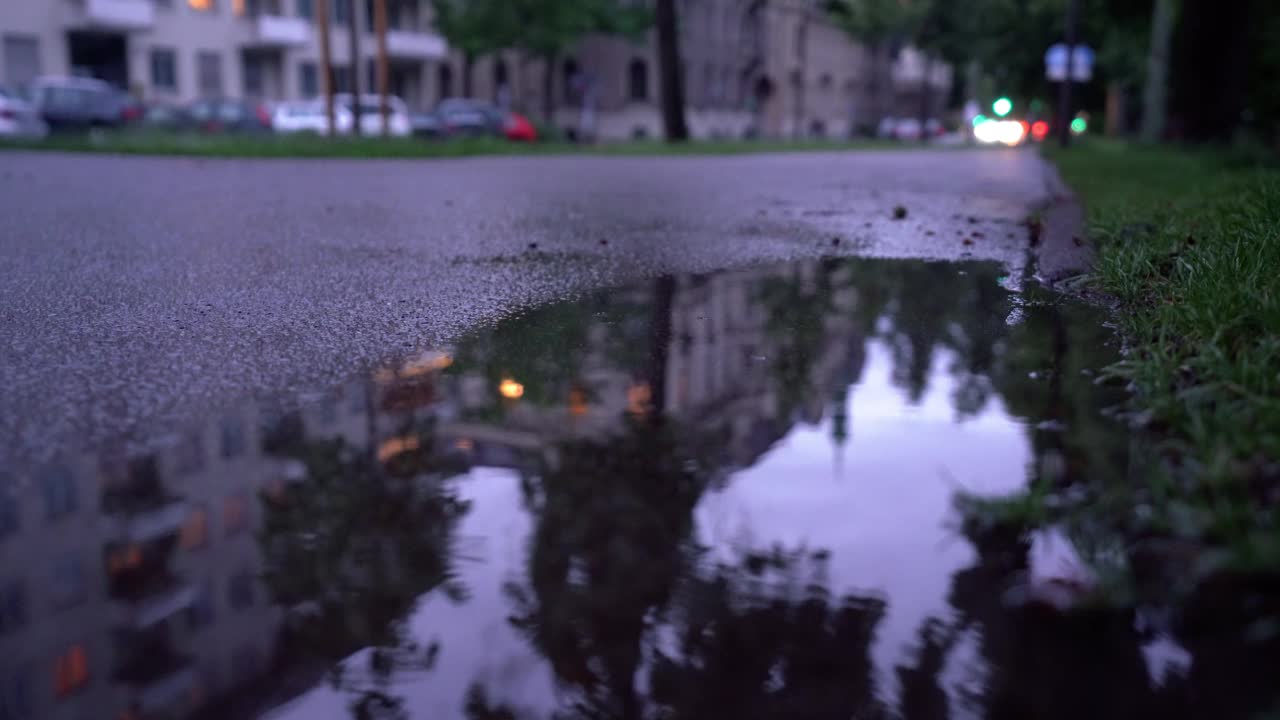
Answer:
(163, 118)
(459, 116)
(75, 103)
(425, 125)
(228, 116)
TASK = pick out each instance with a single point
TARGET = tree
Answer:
(474, 28)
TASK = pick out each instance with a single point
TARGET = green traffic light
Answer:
(1079, 125)
(979, 119)
(1002, 107)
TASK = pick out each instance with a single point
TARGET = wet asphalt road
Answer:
(135, 292)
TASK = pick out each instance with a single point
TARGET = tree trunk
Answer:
(673, 120)
(1064, 89)
(380, 27)
(1115, 110)
(664, 290)
(924, 97)
(353, 35)
(548, 88)
(326, 61)
(1154, 105)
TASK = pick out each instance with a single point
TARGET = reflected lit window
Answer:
(195, 531)
(202, 5)
(123, 559)
(235, 514)
(71, 671)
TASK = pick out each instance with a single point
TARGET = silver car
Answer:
(19, 119)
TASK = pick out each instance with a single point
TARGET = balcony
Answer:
(278, 31)
(415, 45)
(142, 607)
(120, 14)
(143, 524)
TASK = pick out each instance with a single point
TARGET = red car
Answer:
(518, 128)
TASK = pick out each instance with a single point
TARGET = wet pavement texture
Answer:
(136, 291)
(724, 494)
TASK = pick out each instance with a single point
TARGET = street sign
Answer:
(1055, 63)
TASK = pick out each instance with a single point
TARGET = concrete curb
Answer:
(1064, 250)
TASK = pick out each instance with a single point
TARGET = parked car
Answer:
(426, 125)
(75, 103)
(371, 115)
(229, 116)
(300, 117)
(517, 127)
(163, 118)
(18, 118)
(461, 116)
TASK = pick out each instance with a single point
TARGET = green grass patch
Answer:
(312, 146)
(1189, 246)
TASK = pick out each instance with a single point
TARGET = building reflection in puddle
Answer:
(727, 495)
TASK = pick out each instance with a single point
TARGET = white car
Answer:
(398, 123)
(299, 117)
(19, 119)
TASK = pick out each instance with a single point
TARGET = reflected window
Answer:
(10, 518)
(240, 591)
(71, 671)
(13, 606)
(190, 452)
(233, 440)
(195, 531)
(69, 587)
(15, 693)
(235, 514)
(201, 612)
(59, 492)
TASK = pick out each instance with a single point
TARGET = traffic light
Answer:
(1079, 125)
(1003, 106)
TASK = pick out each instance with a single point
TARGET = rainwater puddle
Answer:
(728, 495)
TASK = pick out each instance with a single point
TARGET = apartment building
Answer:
(179, 50)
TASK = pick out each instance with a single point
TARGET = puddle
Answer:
(720, 495)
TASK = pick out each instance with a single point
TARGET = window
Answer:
(203, 5)
(13, 607)
(308, 80)
(190, 452)
(59, 492)
(340, 10)
(240, 590)
(825, 81)
(209, 72)
(68, 587)
(233, 443)
(21, 60)
(638, 80)
(252, 68)
(10, 517)
(195, 531)
(446, 91)
(342, 78)
(71, 671)
(571, 79)
(164, 69)
(235, 514)
(306, 9)
(710, 88)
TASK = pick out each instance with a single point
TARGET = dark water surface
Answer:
(730, 495)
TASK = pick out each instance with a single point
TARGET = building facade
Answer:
(751, 68)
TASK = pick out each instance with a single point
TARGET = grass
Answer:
(1189, 248)
(311, 146)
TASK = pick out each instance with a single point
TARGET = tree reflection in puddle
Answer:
(724, 495)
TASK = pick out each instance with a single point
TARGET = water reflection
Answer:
(724, 495)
